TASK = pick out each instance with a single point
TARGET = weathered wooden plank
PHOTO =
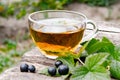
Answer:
(34, 57)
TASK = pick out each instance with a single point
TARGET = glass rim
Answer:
(67, 11)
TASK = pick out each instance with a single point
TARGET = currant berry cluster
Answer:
(25, 68)
(61, 68)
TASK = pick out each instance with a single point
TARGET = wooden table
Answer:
(34, 57)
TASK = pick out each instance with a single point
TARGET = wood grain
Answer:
(34, 57)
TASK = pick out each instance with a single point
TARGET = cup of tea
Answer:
(56, 32)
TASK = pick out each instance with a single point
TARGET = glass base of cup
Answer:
(50, 57)
(46, 55)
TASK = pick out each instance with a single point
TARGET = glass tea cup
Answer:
(56, 32)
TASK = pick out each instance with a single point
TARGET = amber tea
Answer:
(56, 36)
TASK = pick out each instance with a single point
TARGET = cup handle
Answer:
(93, 32)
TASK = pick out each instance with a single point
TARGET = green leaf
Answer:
(116, 54)
(108, 45)
(115, 63)
(82, 73)
(68, 60)
(100, 46)
(79, 72)
(93, 46)
(92, 41)
(44, 71)
(115, 68)
(95, 60)
(93, 69)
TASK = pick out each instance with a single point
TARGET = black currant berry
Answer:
(58, 63)
(52, 71)
(24, 67)
(31, 68)
(63, 69)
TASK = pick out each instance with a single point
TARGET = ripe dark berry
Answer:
(52, 71)
(63, 69)
(31, 68)
(58, 63)
(24, 67)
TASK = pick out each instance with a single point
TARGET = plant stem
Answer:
(81, 61)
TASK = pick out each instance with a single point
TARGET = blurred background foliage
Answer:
(105, 3)
(20, 9)
(9, 54)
